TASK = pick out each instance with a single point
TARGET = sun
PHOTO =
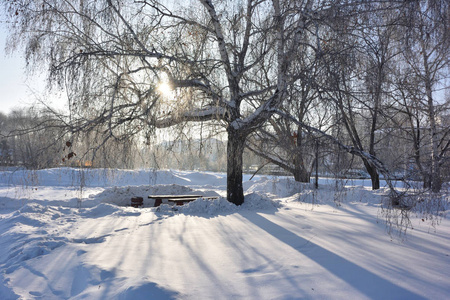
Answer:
(164, 89)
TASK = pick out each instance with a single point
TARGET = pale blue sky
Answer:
(16, 88)
(12, 79)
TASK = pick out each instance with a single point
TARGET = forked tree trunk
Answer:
(235, 150)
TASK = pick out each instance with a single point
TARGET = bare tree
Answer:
(111, 57)
(361, 51)
(379, 53)
(281, 141)
(286, 144)
(426, 51)
(343, 59)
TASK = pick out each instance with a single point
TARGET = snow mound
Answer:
(105, 209)
(279, 187)
(34, 215)
(33, 248)
(202, 206)
(25, 235)
(260, 201)
(147, 290)
(33, 208)
(115, 197)
(122, 195)
(101, 210)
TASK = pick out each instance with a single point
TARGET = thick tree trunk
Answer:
(374, 176)
(235, 150)
(300, 173)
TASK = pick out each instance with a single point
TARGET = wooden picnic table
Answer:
(177, 199)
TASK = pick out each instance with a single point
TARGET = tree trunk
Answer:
(426, 181)
(436, 181)
(316, 165)
(374, 176)
(235, 150)
(300, 173)
(435, 172)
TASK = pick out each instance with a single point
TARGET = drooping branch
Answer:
(201, 115)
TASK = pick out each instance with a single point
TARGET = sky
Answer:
(13, 82)
(17, 89)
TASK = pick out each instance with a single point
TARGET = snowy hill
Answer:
(70, 234)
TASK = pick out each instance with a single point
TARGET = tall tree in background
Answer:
(358, 76)
(281, 141)
(377, 45)
(426, 52)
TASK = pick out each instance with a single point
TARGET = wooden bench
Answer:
(177, 199)
(137, 201)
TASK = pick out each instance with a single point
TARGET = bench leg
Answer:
(137, 201)
(157, 202)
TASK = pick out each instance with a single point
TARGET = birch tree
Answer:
(426, 52)
(114, 57)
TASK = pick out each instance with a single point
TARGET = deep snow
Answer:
(69, 234)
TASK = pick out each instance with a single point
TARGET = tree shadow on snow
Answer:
(366, 282)
(146, 291)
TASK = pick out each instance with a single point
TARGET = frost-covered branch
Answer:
(207, 114)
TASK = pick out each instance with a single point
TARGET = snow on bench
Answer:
(177, 199)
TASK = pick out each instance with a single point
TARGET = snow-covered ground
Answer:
(69, 234)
